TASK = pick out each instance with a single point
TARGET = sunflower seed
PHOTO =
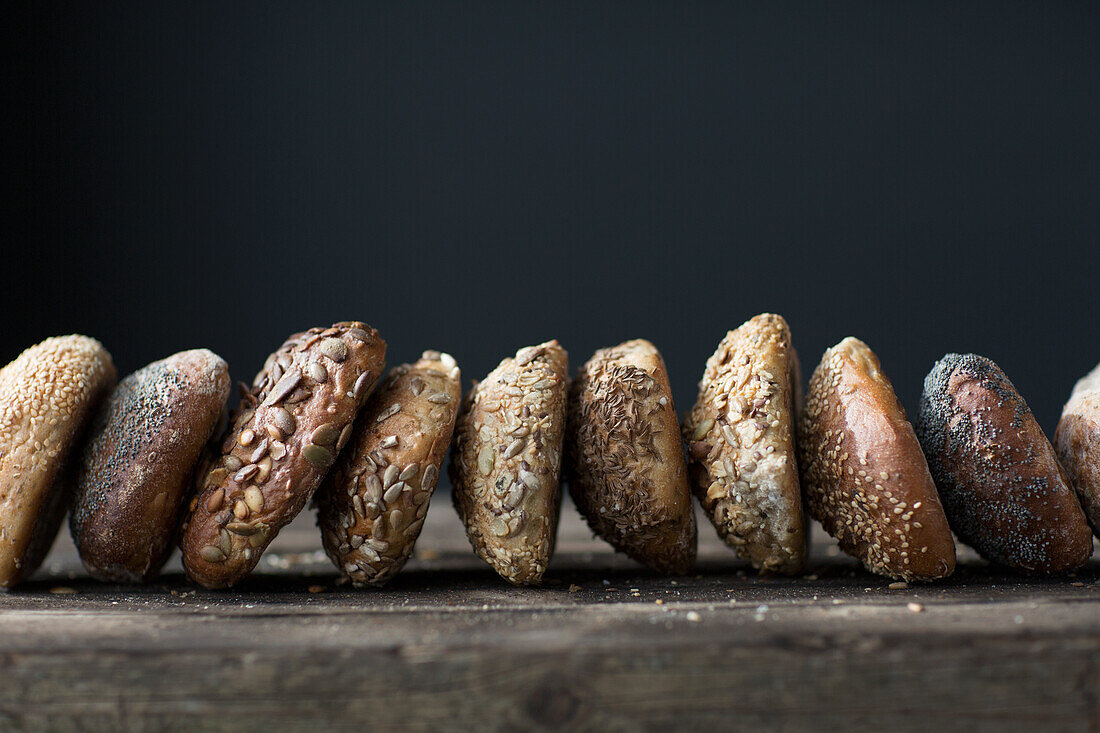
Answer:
(439, 398)
(529, 479)
(388, 442)
(390, 475)
(414, 528)
(355, 542)
(431, 473)
(334, 349)
(396, 519)
(214, 501)
(212, 554)
(317, 372)
(283, 420)
(514, 448)
(357, 504)
(369, 554)
(260, 452)
(410, 470)
(317, 455)
(283, 387)
(326, 434)
(416, 385)
(254, 498)
(377, 526)
(388, 412)
(345, 436)
(379, 460)
(394, 491)
(485, 460)
(246, 473)
(299, 395)
(729, 435)
(515, 496)
(362, 387)
(374, 488)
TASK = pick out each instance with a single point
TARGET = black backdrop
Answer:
(475, 177)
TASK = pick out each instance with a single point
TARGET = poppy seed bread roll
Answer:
(627, 474)
(863, 471)
(47, 396)
(1077, 443)
(506, 462)
(741, 445)
(1002, 488)
(135, 471)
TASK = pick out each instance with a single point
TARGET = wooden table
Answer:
(602, 645)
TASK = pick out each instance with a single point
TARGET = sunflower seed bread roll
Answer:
(47, 396)
(741, 445)
(1077, 443)
(863, 471)
(371, 507)
(1001, 485)
(506, 461)
(136, 469)
(625, 460)
(285, 436)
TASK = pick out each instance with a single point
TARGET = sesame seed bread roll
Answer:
(371, 507)
(136, 469)
(506, 462)
(863, 472)
(47, 396)
(1001, 485)
(741, 445)
(625, 460)
(285, 436)
(1077, 443)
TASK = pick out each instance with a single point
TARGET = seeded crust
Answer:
(625, 460)
(1077, 443)
(741, 445)
(47, 396)
(1001, 485)
(863, 472)
(136, 469)
(373, 503)
(506, 461)
(285, 436)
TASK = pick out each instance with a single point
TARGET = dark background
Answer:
(475, 177)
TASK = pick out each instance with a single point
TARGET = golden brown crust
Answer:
(136, 468)
(741, 445)
(1077, 443)
(997, 474)
(371, 507)
(506, 461)
(285, 436)
(47, 396)
(863, 472)
(625, 460)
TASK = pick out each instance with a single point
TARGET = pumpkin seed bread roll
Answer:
(1001, 485)
(372, 505)
(285, 436)
(136, 470)
(1077, 443)
(47, 396)
(863, 472)
(741, 445)
(625, 460)
(506, 462)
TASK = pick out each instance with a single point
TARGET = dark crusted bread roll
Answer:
(1001, 485)
(47, 396)
(506, 462)
(284, 438)
(741, 445)
(865, 477)
(625, 459)
(371, 507)
(1077, 443)
(136, 469)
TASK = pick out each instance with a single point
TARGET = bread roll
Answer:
(506, 462)
(47, 396)
(741, 445)
(136, 469)
(371, 507)
(284, 438)
(865, 477)
(1001, 485)
(1077, 443)
(626, 463)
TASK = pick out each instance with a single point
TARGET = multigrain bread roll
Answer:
(46, 398)
(625, 460)
(1001, 485)
(284, 438)
(863, 472)
(371, 507)
(1077, 443)
(136, 468)
(741, 445)
(506, 461)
